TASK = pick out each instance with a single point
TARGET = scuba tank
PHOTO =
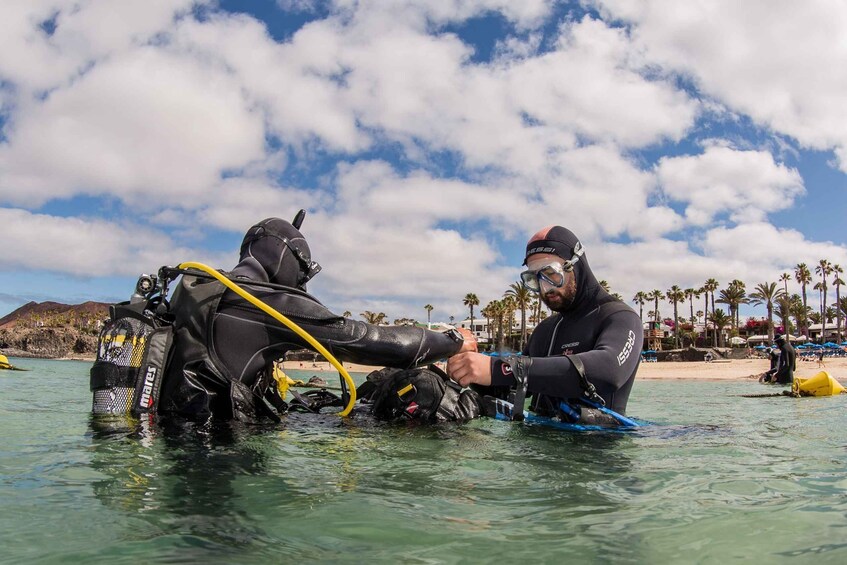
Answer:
(132, 350)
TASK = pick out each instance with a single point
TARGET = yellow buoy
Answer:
(4, 360)
(821, 384)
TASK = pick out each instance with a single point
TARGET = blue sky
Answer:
(427, 140)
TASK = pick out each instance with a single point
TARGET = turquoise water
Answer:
(719, 478)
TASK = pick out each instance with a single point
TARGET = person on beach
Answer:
(223, 346)
(588, 349)
(783, 372)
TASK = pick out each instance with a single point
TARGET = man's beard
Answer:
(563, 298)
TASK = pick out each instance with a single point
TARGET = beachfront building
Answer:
(815, 331)
(480, 327)
(654, 333)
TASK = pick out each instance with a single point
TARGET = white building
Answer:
(831, 331)
(480, 326)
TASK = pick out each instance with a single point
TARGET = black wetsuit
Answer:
(786, 365)
(223, 345)
(601, 331)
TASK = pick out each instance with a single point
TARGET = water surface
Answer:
(718, 478)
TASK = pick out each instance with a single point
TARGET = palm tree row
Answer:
(776, 299)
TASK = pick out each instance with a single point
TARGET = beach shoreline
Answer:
(734, 369)
(730, 370)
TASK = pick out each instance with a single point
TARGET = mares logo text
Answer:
(147, 391)
(627, 348)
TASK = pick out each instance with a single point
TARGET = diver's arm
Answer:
(390, 346)
(612, 361)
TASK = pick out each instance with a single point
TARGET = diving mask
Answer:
(554, 273)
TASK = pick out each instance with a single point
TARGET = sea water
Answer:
(717, 478)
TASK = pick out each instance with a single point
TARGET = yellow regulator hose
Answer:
(351, 386)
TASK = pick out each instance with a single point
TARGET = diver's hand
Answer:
(470, 368)
(469, 343)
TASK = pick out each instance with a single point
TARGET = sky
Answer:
(427, 140)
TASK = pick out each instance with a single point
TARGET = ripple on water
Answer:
(718, 478)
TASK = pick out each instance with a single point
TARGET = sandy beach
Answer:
(738, 369)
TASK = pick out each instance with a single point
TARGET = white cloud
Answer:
(88, 248)
(195, 122)
(379, 263)
(527, 13)
(783, 64)
(147, 127)
(747, 184)
(86, 31)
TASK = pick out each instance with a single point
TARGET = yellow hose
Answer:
(351, 386)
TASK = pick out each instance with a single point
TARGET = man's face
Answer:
(557, 299)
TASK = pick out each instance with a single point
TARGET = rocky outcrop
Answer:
(50, 343)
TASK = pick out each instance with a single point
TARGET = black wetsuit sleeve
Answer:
(246, 339)
(608, 365)
(392, 346)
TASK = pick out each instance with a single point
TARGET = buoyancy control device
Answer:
(132, 351)
(424, 394)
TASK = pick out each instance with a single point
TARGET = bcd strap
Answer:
(108, 375)
(588, 389)
(149, 382)
(520, 367)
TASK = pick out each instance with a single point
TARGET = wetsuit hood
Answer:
(564, 243)
(275, 251)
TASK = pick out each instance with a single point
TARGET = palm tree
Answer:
(798, 310)
(470, 301)
(675, 295)
(699, 315)
(842, 305)
(655, 295)
(733, 296)
(782, 309)
(690, 293)
(767, 293)
(522, 297)
(374, 318)
(824, 269)
(489, 315)
(830, 314)
(605, 285)
(720, 320)
(429, 308)
(498, 310)
(838, 282)
(640, 298)
(709, 287)
(509, 308)
(803, 277)
(347, 314)
(784, 278)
